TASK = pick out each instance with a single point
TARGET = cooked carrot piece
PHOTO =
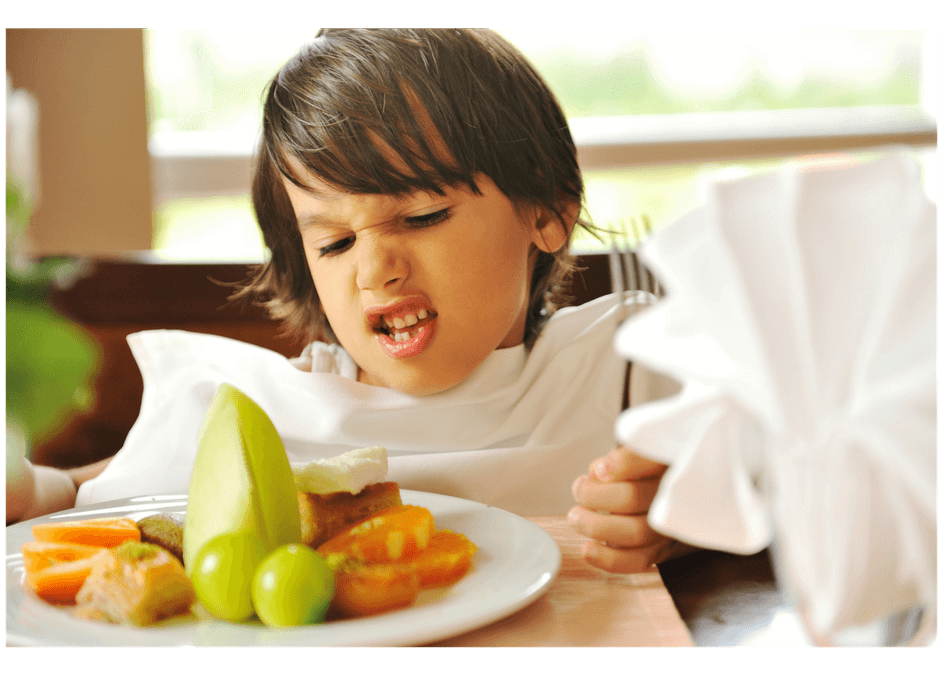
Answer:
(363, 590)
(390, 535)
(40, 555)
(92, 532)
(446, 559)
(57, 571)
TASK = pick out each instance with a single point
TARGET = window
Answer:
(653, 114)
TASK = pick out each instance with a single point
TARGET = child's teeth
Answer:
(395, 324)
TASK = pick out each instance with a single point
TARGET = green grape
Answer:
(222, 574)
(293, 586)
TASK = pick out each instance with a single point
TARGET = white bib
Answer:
(515, 434)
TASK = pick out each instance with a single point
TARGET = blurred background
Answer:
(145, 136)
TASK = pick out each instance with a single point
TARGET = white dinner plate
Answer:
(514, 564)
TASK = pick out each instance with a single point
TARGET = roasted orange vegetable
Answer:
(57, 571)
(446, 559)
(390, 535)
(92, 532)
(363, 590)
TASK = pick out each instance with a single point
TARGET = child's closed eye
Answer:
(337, 246)
(412, 222)
(428, 219)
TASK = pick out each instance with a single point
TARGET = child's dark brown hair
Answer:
(344, 100)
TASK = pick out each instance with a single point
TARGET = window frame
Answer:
(198, 164)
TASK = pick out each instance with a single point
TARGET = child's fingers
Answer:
(614, 530)
(622, 463)
(631, 560)
(624, 560)
(623, 497)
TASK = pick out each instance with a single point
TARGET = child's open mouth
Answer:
(400, 343)
(401, 328)
(405, 332)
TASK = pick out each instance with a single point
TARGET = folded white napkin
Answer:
(801, 318)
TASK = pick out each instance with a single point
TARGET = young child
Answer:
(418, 190)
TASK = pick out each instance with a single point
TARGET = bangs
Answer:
(368, 136)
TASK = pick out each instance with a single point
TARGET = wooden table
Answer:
(586, 607)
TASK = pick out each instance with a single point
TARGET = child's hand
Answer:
(613, 501)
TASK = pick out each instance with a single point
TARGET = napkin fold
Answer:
(801, 319)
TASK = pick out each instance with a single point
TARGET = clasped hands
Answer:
(613, 501)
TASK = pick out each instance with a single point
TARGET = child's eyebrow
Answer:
(312, 220)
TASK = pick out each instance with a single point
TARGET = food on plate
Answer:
(91, 532)
(383, 563)
(56, 571)
(349, 472)
(293, 586)
(135, 583)
(222, 573)
(323, 516)
(241, 479)
(164, 530)
(387, 536)
(376, 565)
(337, 492)
(292, 546)
(380, 549)
(446, 559)
(365, 589)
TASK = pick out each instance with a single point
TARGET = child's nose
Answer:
(381, 265)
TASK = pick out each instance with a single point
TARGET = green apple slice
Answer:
(241, 480)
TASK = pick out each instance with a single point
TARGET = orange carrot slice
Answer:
(56, 571)
(92, 532)
(446, 559)
(392, 534)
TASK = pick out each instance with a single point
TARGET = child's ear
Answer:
(551, 230)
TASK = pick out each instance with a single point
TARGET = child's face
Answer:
(455, 267)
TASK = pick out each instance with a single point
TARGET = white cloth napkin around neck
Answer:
(515, 434)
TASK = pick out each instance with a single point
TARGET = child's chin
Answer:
(424, 388)
(415, 383)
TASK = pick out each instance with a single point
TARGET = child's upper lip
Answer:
(409, 305)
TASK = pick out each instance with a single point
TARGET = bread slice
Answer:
(323, 516)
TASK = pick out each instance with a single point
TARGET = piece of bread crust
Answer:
(323, 516)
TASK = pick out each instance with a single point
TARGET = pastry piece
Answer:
(165, 530)
(323, 516)
(135, 583)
